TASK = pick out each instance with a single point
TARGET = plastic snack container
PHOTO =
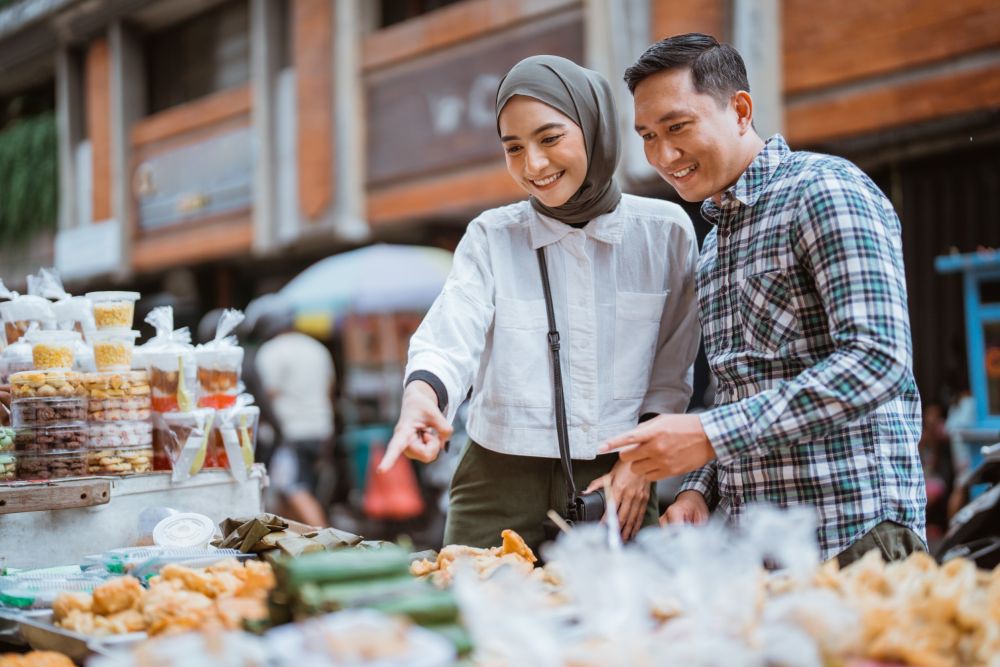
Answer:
(113, 310)
(113, 348)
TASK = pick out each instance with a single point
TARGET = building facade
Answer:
(210, 149)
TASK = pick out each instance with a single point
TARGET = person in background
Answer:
(802, 301)
(297, 376)
(621, 270)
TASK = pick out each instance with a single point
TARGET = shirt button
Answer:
(586, 428)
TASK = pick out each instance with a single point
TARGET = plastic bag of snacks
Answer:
(16, 357)
(234, 437)
(181, 442)
(169, 356)
(6, 295)
(21, 311)
(220, 364)
(71, 312)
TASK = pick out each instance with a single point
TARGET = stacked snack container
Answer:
(49, 411)
(8, 466)
(120, 433)
(119, 430)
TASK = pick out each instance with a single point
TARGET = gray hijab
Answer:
(585, 97)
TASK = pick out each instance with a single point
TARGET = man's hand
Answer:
(421, 430)
(688, 508)
(631, 493)
(663, 447)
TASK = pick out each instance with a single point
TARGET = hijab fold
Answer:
(585, 97)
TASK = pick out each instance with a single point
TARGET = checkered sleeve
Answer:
(847, 237)
(703, 480)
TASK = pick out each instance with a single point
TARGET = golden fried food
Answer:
(116, 595)
(179, 599)
(515, 544)
(232, 611)
(35, 659)
(513, 552)
(82, 622)
(918, 613)
(169, 610)
(69, 602)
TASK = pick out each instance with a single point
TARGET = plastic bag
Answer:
(16, 357)
(18, 314)
(71, 312)
(220, 364)
(236, 432)
(169, 357)
(182, 439)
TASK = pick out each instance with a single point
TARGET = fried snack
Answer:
(116, 595)
(514, 552)
(35, 659)
(69, 602)
(179, 599)
(169, 610)
(918, 613)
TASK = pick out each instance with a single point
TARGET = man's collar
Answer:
(607, 228)
(751, 185)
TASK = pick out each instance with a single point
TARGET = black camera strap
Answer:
(562, 432)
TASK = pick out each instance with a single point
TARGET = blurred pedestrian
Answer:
(297, 377)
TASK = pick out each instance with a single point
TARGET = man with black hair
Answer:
(802, 302)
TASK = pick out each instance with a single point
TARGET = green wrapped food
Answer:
(343, 565)
(332, 597)
(430, 607)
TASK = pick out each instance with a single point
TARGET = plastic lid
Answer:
(187, 529)
(113, 296)
(104, 335)
(55, 337)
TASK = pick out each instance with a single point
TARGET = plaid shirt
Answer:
(802, 301)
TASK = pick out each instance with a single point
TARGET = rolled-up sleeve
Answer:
(671, 379)
(451, 338)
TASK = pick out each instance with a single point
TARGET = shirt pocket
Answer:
(520, 363)
(637, 328)
(767, 311)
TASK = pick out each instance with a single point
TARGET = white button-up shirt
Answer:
(624, 295)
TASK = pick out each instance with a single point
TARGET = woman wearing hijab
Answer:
(621, 271)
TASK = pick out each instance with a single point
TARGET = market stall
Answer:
(105, 435)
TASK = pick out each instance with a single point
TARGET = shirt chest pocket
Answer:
(519, 373)
(637, 328)
(767, 311)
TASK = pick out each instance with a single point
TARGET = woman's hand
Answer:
(631, 492)
(421, 430)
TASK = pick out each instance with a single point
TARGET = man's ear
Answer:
(743, 105)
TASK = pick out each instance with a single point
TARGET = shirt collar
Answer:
(608, 227)
(751, 185)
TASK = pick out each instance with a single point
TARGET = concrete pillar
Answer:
(69, 101)
(265, 61)
(128, 104)
(757, 36)
(350, 222)
(616, 32)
